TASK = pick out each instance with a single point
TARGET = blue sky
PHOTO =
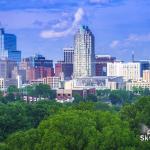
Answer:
(46, 26)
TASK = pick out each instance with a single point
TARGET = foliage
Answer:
(84, 124)
(76, 130)
(40, 90)
(21, 116)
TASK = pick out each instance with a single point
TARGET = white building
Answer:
(2, 86)
(84, 53)
(5, 83)
(138, 84)
(53, 82)
(98, 83)
(129, 70)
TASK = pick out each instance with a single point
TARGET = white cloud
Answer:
(55, 34)
(34, 18)
(140, 38)
(114, 43)
(132, 38)
(60, 25)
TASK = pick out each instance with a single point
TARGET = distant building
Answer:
(63, 95)
(129, 70)
(41, 61)
(145, 65)
(53, 82)
(68, 55)
(146, 75)
(6, 67)
(8, 46)
(21, 73)
(138, 84)
(63, 68)
(84, 53)
(58, 68)
(101, 64)
(36, 67)
(5, 83)
(14, 56)
(39, 72)
(99, 83)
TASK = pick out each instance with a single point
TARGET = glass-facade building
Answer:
(8, 46)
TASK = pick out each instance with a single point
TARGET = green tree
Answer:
(12, 89)
(43, 90)
(91, 97)
(76, 130)
(77, 98)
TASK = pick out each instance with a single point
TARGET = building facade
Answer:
(39, 73)
(68, 55)
(138, 84)
(84, 53)
(8, 46)
(53, 82)
(6, 67)
(64, 68)
(146, 75)
(129, 71)
(101, 64)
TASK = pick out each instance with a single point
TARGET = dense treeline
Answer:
(85, 124)
(78, 126)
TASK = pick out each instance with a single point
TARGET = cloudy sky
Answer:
(46, 26)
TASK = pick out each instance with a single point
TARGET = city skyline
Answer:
(119, 26)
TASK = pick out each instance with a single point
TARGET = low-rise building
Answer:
(146, 75)
(5, 83)
(96, 82)
(138, 84)
(2, 85)
(129, 70)
(53, 82)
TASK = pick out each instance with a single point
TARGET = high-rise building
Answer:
(68, 55)
(8, 46)
(101, 64)
(84, 53)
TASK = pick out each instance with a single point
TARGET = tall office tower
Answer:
(68, 55)
(8, 46)
(84, 53)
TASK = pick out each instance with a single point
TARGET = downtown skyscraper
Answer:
(8, 46)
(84, 53)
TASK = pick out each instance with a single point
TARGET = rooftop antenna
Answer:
(133, 57)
